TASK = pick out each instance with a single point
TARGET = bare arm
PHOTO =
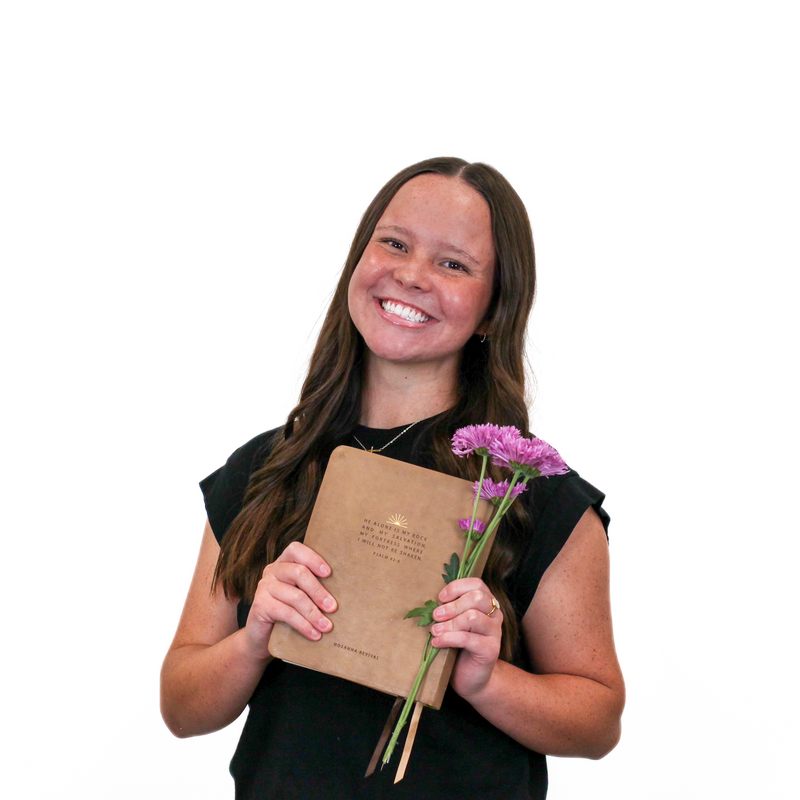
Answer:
(209, 672)
(212, 666)
(573, 706)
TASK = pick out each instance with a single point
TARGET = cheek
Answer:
(471, 307)
(364, 275)
(358, 296)
(356, 284)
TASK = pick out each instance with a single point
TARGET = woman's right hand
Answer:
(290, 591)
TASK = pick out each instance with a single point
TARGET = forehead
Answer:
(444, 210)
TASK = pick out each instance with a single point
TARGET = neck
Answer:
(398, 394)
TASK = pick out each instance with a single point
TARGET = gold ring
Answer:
(495, 607)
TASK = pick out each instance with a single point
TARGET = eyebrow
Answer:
(447, 246)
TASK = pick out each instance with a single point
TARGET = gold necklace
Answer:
(392, 441)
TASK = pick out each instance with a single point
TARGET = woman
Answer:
(425, 334)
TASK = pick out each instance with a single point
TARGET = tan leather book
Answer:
(387, 529)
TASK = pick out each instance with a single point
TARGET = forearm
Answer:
(206, 687)
(563, 715)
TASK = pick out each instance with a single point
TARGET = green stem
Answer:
(491, 527)
(468, 561)
(428, 655)
(468, 538)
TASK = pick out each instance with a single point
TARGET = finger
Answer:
(455, 589)
(479, 599)
(482, 648)
(471, 621)
(299, 553)
(298, 600)
(282, 612)
(298, 574)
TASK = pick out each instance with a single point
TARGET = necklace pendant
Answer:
(373, 449)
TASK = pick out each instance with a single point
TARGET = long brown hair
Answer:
(491, 388)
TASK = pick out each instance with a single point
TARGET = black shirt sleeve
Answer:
(556, 506)
(223, 490)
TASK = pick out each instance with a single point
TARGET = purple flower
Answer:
(495, 491)
(477, 527)
(533, 457)
(475, 439)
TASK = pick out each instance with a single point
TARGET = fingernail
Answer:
(324, 624)
(436, 629)
(438, 612)
(316, 635)
(324, 570)
(329, 603)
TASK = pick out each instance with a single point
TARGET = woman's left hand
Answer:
(469, 620)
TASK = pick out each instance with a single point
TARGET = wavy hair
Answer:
(491, 387)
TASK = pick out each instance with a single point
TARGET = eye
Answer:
(456, 266)
(394, 244)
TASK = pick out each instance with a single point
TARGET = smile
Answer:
(404, 312)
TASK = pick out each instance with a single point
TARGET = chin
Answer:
(398, 355)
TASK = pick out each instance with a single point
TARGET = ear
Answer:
(483, 328)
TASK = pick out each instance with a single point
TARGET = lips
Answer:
(403, 311)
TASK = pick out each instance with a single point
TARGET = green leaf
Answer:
(425, 613)
(451, 568)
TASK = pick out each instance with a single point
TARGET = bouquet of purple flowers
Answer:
(525, 458)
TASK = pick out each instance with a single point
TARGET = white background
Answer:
(179, 183)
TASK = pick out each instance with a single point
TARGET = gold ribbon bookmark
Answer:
(412, 732)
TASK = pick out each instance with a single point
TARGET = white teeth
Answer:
(404, 311)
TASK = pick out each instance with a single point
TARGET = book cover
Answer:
(386, 528)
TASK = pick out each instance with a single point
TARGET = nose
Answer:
(413, 273)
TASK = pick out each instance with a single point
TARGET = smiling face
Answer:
(424, 281)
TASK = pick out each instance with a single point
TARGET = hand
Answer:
(290, 591)
(463, 621)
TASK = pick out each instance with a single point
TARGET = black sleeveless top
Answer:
(310, 735)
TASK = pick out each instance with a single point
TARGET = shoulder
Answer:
(558, 502)
(555, 506)
(247, 457)
(223, 490)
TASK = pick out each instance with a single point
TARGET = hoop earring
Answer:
(483, 338)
